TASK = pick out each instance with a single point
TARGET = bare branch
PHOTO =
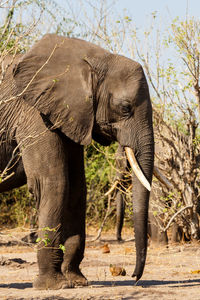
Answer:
(175, 215)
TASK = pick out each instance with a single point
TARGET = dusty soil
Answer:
(171, 272)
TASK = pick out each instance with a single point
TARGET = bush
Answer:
(100, 171)
(16, 207)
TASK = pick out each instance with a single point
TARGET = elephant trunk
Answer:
(140, 215)
(145, 159)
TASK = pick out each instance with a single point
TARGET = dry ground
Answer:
(170, 272)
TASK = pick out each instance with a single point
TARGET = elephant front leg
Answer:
(49, 253)
(74, 222)
(46, 165)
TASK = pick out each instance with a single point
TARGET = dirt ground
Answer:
(171, 272)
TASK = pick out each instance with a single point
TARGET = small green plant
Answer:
(62, 247)
(46, 240)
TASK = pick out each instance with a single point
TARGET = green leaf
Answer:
(46, 241)
(62, 247)
(48, 229)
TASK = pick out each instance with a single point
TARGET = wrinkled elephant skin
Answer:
(68, 92)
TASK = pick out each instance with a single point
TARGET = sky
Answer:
(140, 10)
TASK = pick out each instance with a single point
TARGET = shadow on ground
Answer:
(148, 283)
(17, 285)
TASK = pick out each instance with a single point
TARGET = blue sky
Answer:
(139, 10)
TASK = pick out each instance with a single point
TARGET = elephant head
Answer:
(87, 92)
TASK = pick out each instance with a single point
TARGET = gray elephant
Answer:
(59, 96)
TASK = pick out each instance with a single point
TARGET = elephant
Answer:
(124, 180)
(55, 99)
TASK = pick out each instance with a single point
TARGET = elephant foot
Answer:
(76, 277)
(53, 281)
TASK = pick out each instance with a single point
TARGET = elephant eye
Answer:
(125, 109)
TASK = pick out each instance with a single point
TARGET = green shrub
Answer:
(16, 207)
(100, 172)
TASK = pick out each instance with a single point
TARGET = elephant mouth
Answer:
(136, 168)
(103, 133)
(103, 140)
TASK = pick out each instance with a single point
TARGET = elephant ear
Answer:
(56, 80)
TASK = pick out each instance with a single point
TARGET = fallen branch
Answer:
(175, 215)
(158, 174)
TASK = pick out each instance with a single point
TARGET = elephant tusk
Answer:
(136, 169)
